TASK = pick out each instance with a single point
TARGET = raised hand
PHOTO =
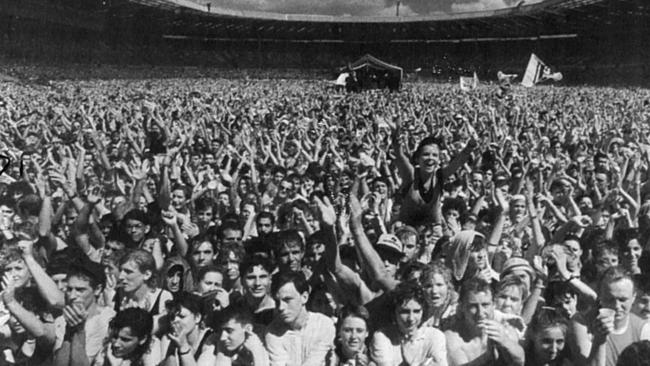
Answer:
(141, 171)
(327, 212)
(501, 200)
(9, 289)
(178, 335)
(170, 218)
(94, 195)
(26, 248)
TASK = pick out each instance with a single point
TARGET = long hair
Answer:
(547, 317)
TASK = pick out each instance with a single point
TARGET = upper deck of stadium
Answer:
(192, 19)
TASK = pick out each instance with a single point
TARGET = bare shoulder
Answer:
(453, 338)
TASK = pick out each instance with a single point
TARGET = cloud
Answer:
(364, 7)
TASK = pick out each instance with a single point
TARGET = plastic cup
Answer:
(609, 313)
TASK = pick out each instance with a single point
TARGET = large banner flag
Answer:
(537, 71)
(468, 83)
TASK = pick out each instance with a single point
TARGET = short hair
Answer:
(624, 236)
(209, 269)
(278, 169)
(235, 248)
(454, 204)
(180, 187)
(265, 215)
(8, 201)
(406, 291)
(288, 238)
(612, 275)
(240, 314)
(476, 284)
(636, 354)
(137, 215)
(247, 202)
(203, 204)
(605, 246)
(356, 311)
(405, 232)
(89, 271)
(319, 237)
(144, 261)
(10, 253)
(642, 283)
(196, 242)
(29, 205)
(513, 281)
(228, 225)
(283, 278)
(253, 261)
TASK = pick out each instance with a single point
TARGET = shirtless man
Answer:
(479, 336)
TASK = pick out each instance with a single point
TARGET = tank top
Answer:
(416, 209)
(155, 309)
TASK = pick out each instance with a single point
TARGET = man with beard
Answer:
(476, 336)
(296, 336)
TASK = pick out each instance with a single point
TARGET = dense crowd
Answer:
(277, 222)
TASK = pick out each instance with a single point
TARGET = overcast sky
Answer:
(364, 7)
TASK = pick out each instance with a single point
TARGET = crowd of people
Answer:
(275, 222)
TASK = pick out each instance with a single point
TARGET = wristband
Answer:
(181, 353)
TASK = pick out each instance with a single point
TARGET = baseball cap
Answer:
(390, 243)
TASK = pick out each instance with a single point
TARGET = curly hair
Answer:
(140, 322)
(407, 291)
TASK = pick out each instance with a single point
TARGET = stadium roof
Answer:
(189, 19)
(550, 18)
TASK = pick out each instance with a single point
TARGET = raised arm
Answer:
(370, 255)
(46, 286)
(171, 221)
(32, 324)
(459, 160)
(404, 167)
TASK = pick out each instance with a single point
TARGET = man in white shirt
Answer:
(296, 337)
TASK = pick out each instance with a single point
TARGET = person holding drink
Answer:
(601, 334)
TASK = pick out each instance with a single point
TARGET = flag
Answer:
(468, 83)
(341, 79)
(537, 71)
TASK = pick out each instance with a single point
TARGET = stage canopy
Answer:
(371, 68)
